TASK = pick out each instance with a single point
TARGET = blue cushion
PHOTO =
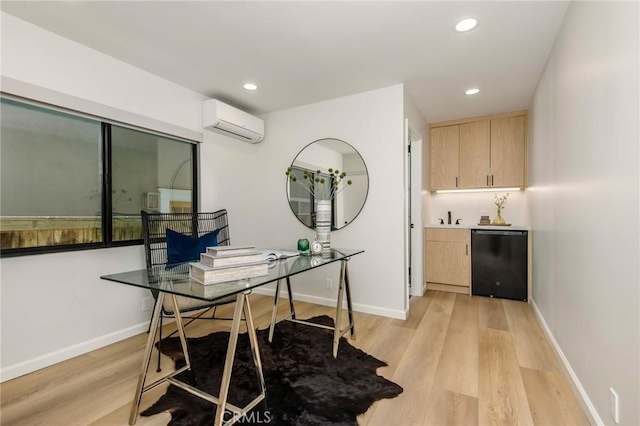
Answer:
(183, 248)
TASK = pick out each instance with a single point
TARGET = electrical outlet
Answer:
(329, 284)
(614, 409)
(147, 304)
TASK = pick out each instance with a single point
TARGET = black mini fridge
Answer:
(499, 262)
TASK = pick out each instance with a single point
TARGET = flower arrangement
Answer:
(316, 185)
(500, 203)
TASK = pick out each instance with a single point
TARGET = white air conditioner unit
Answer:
(227, 120)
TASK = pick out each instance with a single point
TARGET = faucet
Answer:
(448, 218)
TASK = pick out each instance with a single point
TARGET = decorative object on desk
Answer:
(272, 254)
(316, 248)
(228, 263)
(500, 203)
(231, 250)
(323, 191)
(303, 245)
(305, 384)
(323, 223)
(313, 176)
(212, 275)
(230, 259)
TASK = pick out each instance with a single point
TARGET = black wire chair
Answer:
(195, 225)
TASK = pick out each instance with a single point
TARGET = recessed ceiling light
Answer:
(466, 24)
(472, 91)
(250, 86)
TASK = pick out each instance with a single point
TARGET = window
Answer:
(69, 182)
(149, 172)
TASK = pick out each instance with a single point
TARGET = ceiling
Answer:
(309, 51)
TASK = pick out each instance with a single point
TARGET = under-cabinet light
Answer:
(446, 191)
(250, 86)
(472, 91)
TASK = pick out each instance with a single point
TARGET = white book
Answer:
(210, 275)
(230, 250)
(274, 254)
(230, 259)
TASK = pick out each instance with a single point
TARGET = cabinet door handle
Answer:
(491, 180)
(487, 180)
(456, 181)
(466, 249)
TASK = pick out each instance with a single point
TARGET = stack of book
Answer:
(228, 263)
(484, 220)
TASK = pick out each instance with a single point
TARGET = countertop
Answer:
(467, 226)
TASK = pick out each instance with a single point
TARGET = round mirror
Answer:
(328, 169)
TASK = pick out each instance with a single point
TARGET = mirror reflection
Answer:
(347, 199)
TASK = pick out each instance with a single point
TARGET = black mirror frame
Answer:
(366, 195)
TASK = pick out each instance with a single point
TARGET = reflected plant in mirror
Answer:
(315, 183)
(323, 170)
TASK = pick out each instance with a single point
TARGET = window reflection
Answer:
(51, 179)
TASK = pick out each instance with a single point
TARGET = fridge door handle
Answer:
(492, 232)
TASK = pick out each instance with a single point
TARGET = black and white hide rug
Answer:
(305, 384)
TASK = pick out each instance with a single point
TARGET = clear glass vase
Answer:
(498, 220)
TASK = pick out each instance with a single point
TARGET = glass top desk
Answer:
(174, 281)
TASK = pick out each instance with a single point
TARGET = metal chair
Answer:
(195, 225)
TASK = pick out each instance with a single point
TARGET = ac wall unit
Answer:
(151, 201)
(227, 120)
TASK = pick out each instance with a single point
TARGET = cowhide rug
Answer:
(305, 384)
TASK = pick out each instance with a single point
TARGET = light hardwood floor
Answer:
(461, 360)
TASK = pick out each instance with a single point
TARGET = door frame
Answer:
(413, 237)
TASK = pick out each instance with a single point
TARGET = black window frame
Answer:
(107, 195)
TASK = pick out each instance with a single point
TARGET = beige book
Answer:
(229, 259)
(210, 275)
(230, 250)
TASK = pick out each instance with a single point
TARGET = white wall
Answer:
(469, 206)
(37, 56)
(584, 162)
(250, 182)
(55, 306)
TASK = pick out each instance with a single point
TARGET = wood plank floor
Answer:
(461, 360)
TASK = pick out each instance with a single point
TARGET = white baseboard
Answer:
(325, 301)
(29, 366)
(595, 418)
(419, 290)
